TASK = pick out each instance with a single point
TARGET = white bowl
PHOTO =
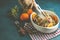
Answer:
(46, 29)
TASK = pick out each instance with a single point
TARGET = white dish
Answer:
(46, 29)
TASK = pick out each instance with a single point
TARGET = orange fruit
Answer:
(29, 11)
(24, 16)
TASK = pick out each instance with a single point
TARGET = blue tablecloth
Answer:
(8, 30)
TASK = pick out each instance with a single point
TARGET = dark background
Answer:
(8, 30)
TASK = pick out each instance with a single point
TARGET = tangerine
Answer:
(24, 16)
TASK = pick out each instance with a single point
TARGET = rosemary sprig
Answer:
(13, 12)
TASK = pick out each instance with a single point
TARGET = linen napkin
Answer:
(36, 35)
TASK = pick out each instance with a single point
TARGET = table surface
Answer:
(8, 30)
